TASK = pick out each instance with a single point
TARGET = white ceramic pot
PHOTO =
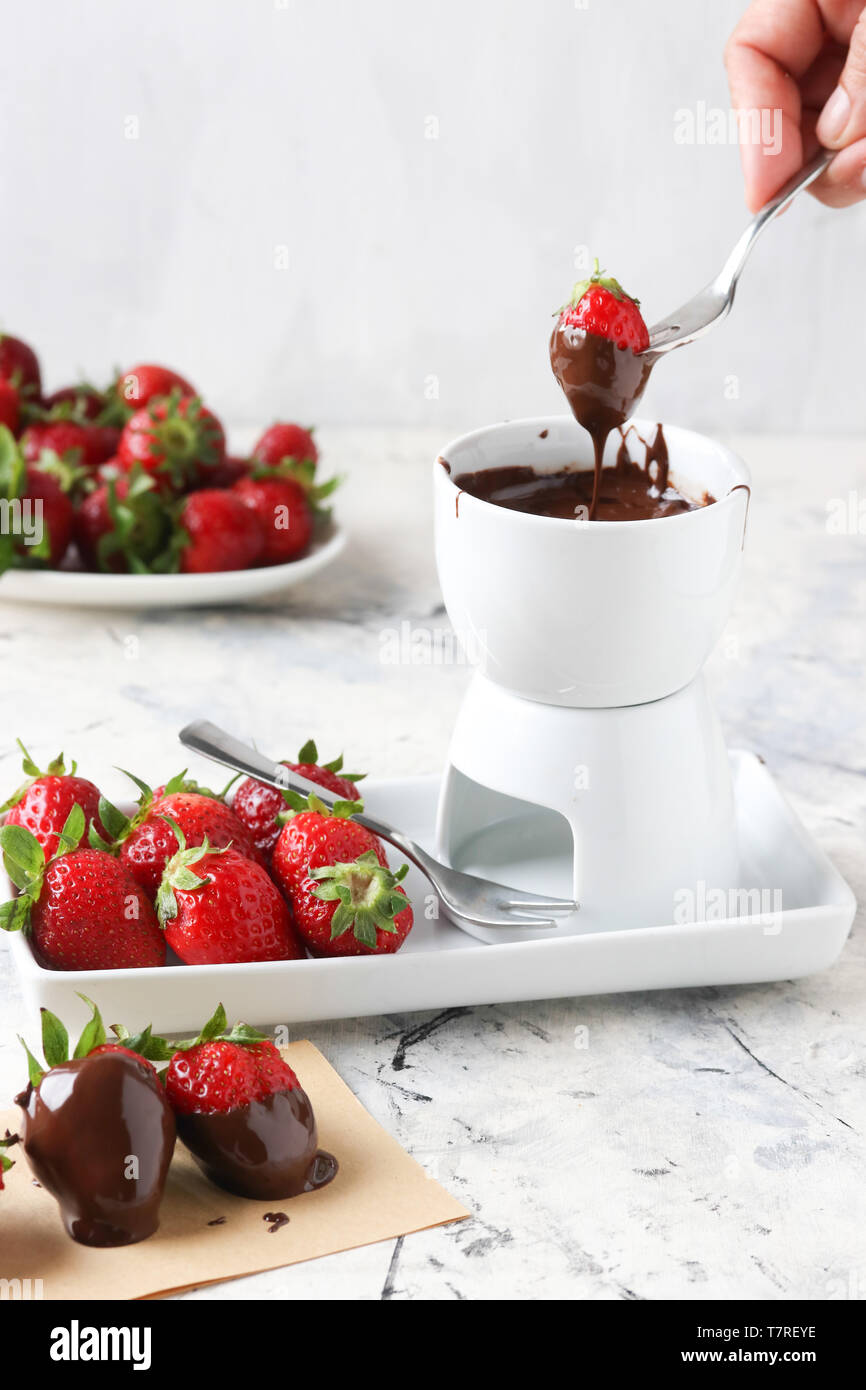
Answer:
(579, 613)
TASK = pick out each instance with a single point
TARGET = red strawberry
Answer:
(218, 1075)
(83, 909)
(286, 441)
(123, 526)
(218, 907)
(601, 306)
(257, 805)
(176, 439)
(147, 842)
(82, 402)
(140, 384)
(42, 804)
(87, 445)
(9, 405)
(223, 533)
(20, 365)
(40, 513)
(286, 519)
(44, 494)
(230, 471)
(244, 1116)
(344, 899)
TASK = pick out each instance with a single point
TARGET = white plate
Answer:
(441, 967)
(165, 590)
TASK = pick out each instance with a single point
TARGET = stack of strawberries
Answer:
(267, 877)
(137, 479)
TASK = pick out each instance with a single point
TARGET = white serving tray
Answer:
(441, 967)
(86, 590)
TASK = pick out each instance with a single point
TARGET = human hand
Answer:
(807, 59)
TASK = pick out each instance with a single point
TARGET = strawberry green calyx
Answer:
(55, 1041)
(367, 896)
(56, 768)
(67, 471)
(157, 1049)
(184, 433)
(24, 860)
(310, 754)
(178, 873)
(13, 477)
(141, 526)
(146, 1043)
(598, 280)
(118, 825)
(297, 804)
(217, 1030)
(7, 1142)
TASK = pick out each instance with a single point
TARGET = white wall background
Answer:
(302, 125)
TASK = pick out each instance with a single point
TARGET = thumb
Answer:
(843, 119)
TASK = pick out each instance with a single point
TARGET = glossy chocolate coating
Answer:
(99, 1135)
(602, 383)
(266, 1150)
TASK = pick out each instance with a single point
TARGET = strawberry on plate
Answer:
(217, 907)
(20, 365)
(147, 841)
(82, 909)
(258, 805)
(176, 439)
(286, 441)
(87, 445)
(42, 804)
(283, 512)
(244, 1116)
(40, 510)
(221, 533)
(344, 898)
(10, 405)
(83, 403)
(123, 527)
(138, 386)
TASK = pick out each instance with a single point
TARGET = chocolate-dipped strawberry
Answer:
(98, 1133)
(244, 1116)
(598, 355)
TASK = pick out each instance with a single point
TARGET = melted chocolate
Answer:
(99, 1135)
(602, 384)
(626, 492)
(266, 1150)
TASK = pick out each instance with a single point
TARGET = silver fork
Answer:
(465, 897)
(713, 303)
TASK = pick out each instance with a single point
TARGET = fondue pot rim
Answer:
(537, 423)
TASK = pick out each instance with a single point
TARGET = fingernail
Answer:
(834, 118)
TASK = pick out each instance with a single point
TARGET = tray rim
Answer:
(843, 904)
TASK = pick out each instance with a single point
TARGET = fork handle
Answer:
(213, 742)
(728, 276)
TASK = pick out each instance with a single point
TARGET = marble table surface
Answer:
(707, 1143)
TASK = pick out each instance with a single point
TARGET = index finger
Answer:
(772, 47)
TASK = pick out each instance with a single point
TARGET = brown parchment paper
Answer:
(379, 1193)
